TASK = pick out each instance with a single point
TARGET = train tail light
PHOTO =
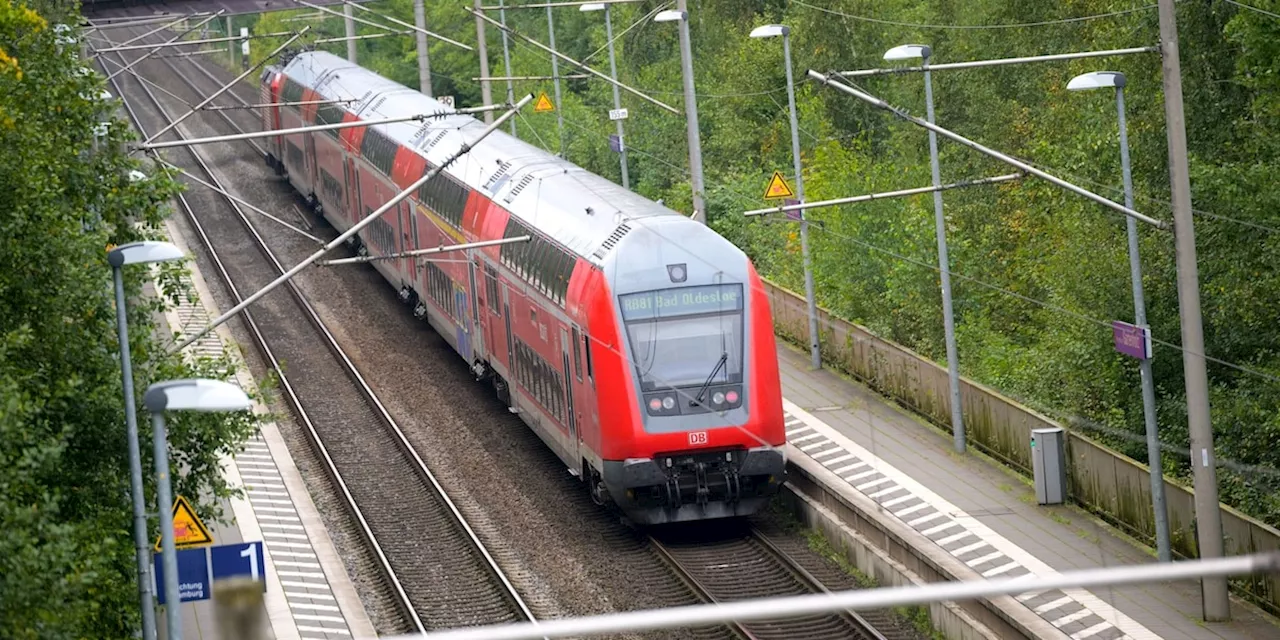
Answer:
(655, 405)
(731, 397)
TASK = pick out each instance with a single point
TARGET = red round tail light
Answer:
(731, 397)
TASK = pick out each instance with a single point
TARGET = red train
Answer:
(638, 344)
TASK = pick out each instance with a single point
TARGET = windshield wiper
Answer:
(724, 358)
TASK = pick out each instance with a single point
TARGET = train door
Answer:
(411, 244)
(506, 319)
(310, 160)
(577, 375)
(463, 331)
(353, 191)
(568, 389)
(477, 330)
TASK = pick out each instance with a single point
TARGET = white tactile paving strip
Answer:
(1078, 614)
(289, 551)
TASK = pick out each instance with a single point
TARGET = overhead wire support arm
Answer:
(580, 65)
(947, 133)
(137, 38)
(415, 28)
(693, 616)
(161, 45)
(998, 62)
(271, 133)
(885, 195)
(183, 43)
(368, 220)
(543, 5)
(238, 200)
(364, 36)
(252, 69)
(263, 105)
(425, 252)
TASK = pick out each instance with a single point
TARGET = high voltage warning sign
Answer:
(188, 529)
(544, 103)
(778, 188)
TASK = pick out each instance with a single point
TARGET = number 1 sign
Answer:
(241, 559)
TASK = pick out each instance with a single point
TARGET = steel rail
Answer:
(811, 582)
(401, 597)
(400, 438)
(699, 591)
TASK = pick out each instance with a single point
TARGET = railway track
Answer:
(736, 562)
(705, 568)
(438, 572)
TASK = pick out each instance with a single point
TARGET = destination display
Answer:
(665, 303)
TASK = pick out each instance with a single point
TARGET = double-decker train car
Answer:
(637, 343)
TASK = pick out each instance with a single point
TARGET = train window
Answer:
(330, 114)
(446, 198)
(491, 288)
(586, 350)
(577, 361)
(379, 150)
(291, 92)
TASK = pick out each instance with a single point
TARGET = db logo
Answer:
(698, 437)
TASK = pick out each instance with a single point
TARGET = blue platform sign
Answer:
(240, 559)
(615, 143)
(193, 575)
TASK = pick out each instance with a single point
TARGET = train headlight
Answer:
(718, 398)
(668, 403)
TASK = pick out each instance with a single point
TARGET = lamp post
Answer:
(613, 73)
(506, 59)
(555, 76)
(771, 31)
(180, 395)
(681, 15)
(1116, 80)
(136, 253)
(922, 51)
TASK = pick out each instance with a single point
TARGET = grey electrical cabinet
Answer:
(1049, 463)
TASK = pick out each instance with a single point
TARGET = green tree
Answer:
(66, 554)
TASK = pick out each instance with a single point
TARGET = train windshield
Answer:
(680, 336)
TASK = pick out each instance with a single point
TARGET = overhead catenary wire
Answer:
(1253, 8)
(1016, 25)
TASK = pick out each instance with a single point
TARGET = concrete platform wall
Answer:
(1100, 479)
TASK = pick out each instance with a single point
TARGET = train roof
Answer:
(574, 207)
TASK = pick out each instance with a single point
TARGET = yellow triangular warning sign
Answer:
(188, 529)
(778, 188)
(544, 103)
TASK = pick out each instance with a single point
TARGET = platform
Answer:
(309, 594)
(986, 515)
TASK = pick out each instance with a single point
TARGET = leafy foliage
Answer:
(1040, 272)
(67, 567)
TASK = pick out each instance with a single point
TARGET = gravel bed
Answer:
(564, 554)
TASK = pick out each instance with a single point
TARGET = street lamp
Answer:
(555, 76)
(773, 31)
(180, 395)
(1116, 80)
(681, 15)
(613, 73)
(922, 51)
(136, 253)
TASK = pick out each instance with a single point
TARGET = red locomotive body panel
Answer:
(542, 319)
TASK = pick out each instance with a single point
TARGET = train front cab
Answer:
(704, 397)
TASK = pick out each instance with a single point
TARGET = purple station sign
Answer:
(1131, 339)
(796, 214)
